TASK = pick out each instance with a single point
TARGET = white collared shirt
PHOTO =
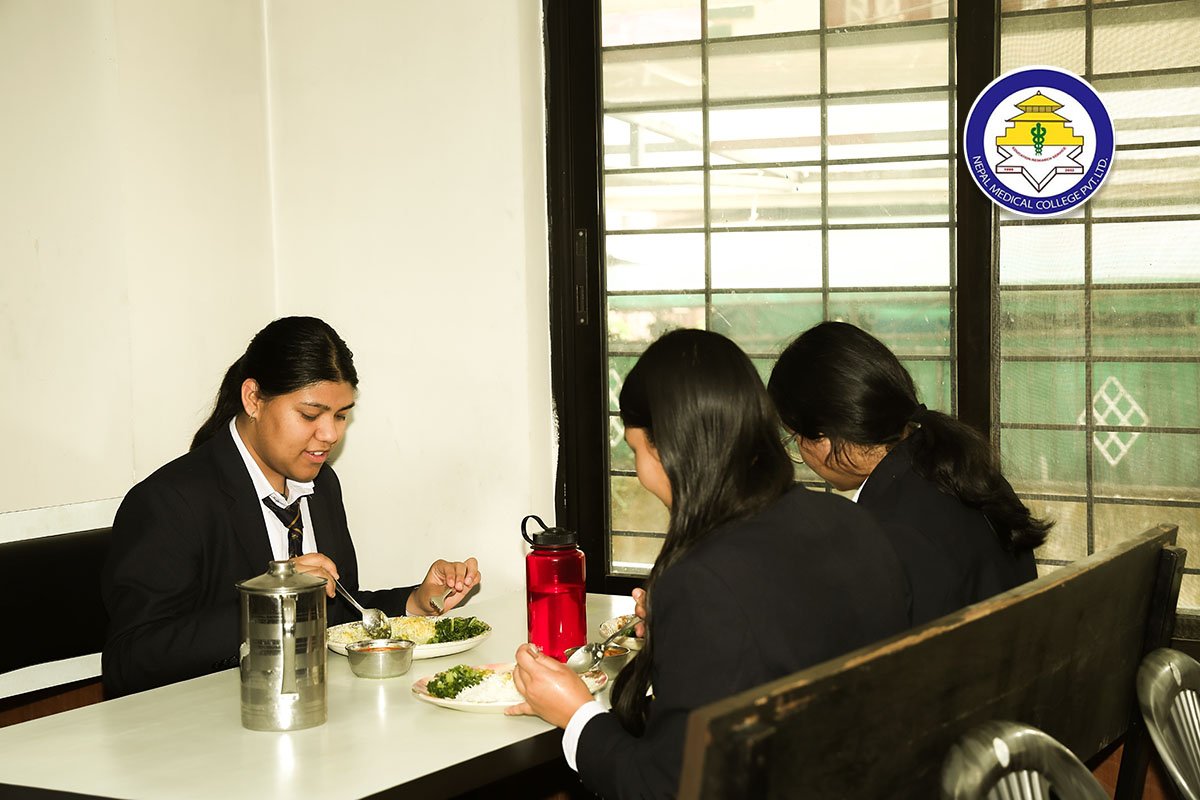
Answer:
(276, 530)
(858, 491)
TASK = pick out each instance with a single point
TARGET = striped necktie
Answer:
(291, 519)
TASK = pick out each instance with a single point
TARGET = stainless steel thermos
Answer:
(282, 653)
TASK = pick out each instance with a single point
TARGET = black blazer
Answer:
(181, 540)
(807, 579)
(952, 555)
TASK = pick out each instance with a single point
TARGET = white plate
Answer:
(595, 681)
(420, 651)
(611, 626)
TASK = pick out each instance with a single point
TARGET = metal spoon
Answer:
(586, 657)
(374, 621)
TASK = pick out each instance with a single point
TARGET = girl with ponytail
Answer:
(768, 578)
(932, 480)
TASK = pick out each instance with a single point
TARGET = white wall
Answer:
(175, 173)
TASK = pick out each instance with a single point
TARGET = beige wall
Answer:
(178, 172)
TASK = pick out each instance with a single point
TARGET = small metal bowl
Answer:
(380, 658)
(615, 657)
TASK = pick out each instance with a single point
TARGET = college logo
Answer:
(1038, 141)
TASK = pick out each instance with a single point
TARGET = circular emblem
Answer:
(1038, 141)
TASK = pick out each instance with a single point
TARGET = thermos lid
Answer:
(281, 577)
(548, 537)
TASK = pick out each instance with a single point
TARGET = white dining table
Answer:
(186, 740)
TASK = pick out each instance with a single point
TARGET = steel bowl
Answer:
(380, 658)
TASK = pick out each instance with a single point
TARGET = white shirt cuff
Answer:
(582, 716)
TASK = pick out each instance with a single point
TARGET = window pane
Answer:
(634, 555)
(1157, 36)
(634, 508)
(620, 457)
(643, 21)
(618, 368)
(1152, 182)
(1044, 462)
(1151, 465)
(766, 260)
(653, 75)
(635, 321)
(914, 257)
(913, 191)
(889, 125)
(915, 56)
(1146, 322)
(1056, 40)
(1032, 254)
(778, 67)
(1146, 252)
(764, 323)
(1068, 538)
(751, 17)
(1041, 392)
(766, 134)
(653, 139)
(764, 197)
(1041, 323)
(1159, 108)
(933, 383)
(910, 323)
(654, 200)
(639, 262)
(840, 12)
(1168, 394)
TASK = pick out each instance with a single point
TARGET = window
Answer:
(747, 167)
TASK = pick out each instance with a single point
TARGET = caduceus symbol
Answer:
(1039, 138)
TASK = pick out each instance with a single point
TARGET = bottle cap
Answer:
(548, 537)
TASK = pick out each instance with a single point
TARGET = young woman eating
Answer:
(931, 480)
(254, 488)
(756, 578)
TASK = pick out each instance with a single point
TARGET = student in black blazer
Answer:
(932, 481)
(756, 578)
(187, 534)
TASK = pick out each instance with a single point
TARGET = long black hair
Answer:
(838, 382)
(289, 354)
(700, 402)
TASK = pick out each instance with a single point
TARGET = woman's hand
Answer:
(639, 609)
(551, 689)
(458, 576)
(319, 565)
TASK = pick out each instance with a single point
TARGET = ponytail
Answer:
(227, 406)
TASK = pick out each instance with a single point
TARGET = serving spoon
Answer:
(585, 657)
(374, 621)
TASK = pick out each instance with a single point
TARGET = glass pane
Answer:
(654, 200)
(933, 383)
(1146, 252)
(914, 191)
(1041, 323)
(1036, 5)
(1068, 538)
(620, 457)
(915, 56)
(643, 21)
(634, 555)
(889, 125)
(652, 75)
(1042, 392)
(1152, 465)
(1146, 322)
(766, 260)
(765, 197)
(915, 257)
(639, 262)
(653, 139)
(840, 12)
(1044, 462)
(1152, 182)
(764, 323)
(1157, 36)
(1032, 254)
(1189, 592)
(1158, 108)
(635, 321)
(778, 67)
(634, 508)
(618, 368)
(751, 17)
(766, 134)
(1167, 394)
(1055, 40)
(910, 323)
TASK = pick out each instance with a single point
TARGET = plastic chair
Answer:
(1167, 686)
(1010, 761)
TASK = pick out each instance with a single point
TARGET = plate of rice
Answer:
(485, 689)
(433, 636)
(611, 626)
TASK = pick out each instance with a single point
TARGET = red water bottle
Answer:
(554, 584)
